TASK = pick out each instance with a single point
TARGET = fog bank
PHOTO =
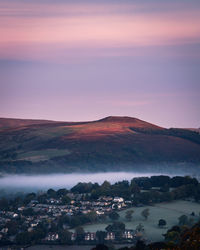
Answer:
(56, 181)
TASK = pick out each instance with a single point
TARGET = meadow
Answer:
(169, 211)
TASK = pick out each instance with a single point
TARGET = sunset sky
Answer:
(86, 59)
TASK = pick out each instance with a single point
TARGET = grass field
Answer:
(42, 155)
(168, 211)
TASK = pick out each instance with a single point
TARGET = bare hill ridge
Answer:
(50, 146)
(6, 123)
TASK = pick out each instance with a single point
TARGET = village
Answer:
(49, 213)
(90, 213)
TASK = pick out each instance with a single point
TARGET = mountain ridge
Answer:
(94, 145)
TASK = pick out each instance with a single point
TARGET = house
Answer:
(128, 234)
(52, 237)
(34, 224)
(90, 236)
(118, 206)
(98, 212)
(118, 199)
(73, 236)
(4, 230)
(104, 198)
(86, 211)
(110, 236)
(21, 208)
(33, 203)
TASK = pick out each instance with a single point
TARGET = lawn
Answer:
(168, 211)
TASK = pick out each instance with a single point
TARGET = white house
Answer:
(118, 199)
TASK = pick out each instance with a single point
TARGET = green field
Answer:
(35, 146)
(42, 155)
(168, 211)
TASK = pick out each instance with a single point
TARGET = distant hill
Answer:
(111, 143)
(6, 123)
(194, 129)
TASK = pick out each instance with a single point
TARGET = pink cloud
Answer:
(95, 26)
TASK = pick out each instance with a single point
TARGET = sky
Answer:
(87, 59)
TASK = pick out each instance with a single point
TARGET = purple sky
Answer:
(84, 60)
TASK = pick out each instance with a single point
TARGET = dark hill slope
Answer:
(7, 123)
(100, 145)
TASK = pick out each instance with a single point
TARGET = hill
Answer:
(6, 123)
(108, 144)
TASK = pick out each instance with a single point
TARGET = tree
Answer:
(80, 233)
(160, 181)
(66, 200)
(164, 188)
(42, 198)
(146, 197)
(29, 197)
(61, 192)
(172, 236)
(92, 216)
(65, 236)
(105, 188)
(140, 228)
(75, 221)
(53, 227)
(37, 235)
(145, 213)
(23, 238)
(106, 185)
(116, 227)
(134, 188)
(101, 236)
(162, 223)
(143, 182)
(140, 245)
(28, 212)
(102, 217)
(82, 187)
(129, 215)
(51, 193)
(183, 220)
(4, 205)
(114, 215)
(12, 227)
(63, 220)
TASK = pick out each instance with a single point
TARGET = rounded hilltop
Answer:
(119, 119)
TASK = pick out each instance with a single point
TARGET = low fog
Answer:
(43, 182)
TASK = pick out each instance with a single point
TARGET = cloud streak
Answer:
(58, 29)
(86, 59)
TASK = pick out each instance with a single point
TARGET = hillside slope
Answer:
(106, 144)
(7, 123)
